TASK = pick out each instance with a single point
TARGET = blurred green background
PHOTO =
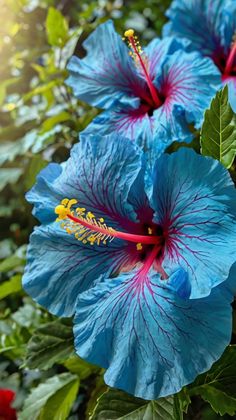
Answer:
(39, 121)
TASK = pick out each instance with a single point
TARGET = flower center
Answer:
(137, 54)
(89, 229)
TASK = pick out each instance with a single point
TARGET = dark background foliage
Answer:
(39, 122)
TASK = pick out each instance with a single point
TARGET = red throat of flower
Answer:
(136, 53)
(230, 66)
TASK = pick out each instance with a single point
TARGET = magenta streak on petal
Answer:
(126, 296)
(116, 75)
(117, 305)
(98, 199)
(101, 202)
(70, 251)
(141, 276)
(130, 121)
(173, 227)
(179, 89)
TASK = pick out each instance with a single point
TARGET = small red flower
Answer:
(6, 411)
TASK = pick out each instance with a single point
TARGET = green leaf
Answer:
(218, 134)
(4, 85)
(9, 176)
(11, 263)
(79, 366)
(11, 286)
(220, 402)
(27, 315)
(36, 164)
(98, 388)
(50, 122)
(52, 399)
(9, 150)
(218, 385)
(42, 89)
(59, 405)
(184, 400)
(52, 343)
(118, 405)
(57, 28)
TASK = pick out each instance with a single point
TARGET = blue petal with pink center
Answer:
(152, 95)
(151, 341)
(210, 25)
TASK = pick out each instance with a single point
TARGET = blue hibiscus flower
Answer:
(210, 25)
(151, 93)
(137, 255)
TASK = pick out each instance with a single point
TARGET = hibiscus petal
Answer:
(231, 280)
(132, 124)
(232, 92)
(200, 21)
(228, 24)
(99, 174)
(157, 51)
(43, 194)
(107, 73)
(151, 342)
(59, 267)
(194, 198)
(188, 82)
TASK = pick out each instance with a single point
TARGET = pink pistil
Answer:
(156, 100)
(143, 239)
(229, 68)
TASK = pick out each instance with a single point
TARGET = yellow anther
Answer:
(65, 201)
(71, 203)
(82, 223)
(90, 215)
(80, 210)
(149, 231)
(61, 211)
(129, 33)
(139, 246)
(91, 239)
